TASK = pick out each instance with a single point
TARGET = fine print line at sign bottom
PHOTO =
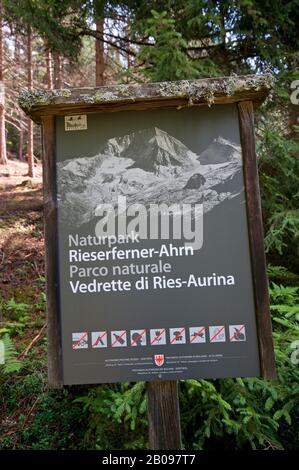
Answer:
(159, 337)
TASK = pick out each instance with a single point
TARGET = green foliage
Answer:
(17, 316)
(182, 39)
(56, 424)
(286, 296)
(242, 413)
(57, 22)
(166, 59)
(35, 417)
(117, 417)
(279, 176)
(40, 305)
(283, 227)
(9, 362)
(236, 36)
(229, 413)
(16, 308)
(281, 274)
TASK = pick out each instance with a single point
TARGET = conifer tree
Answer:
(30, 155)
(3, 157)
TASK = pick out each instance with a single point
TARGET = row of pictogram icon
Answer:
(158, 336)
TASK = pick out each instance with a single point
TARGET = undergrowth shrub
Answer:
(34, 417)
(117, 416)
(227, 413)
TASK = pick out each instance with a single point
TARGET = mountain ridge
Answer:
(147, 166)
(150, 148)
(219, 151)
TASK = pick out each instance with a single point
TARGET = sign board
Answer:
(158, 269)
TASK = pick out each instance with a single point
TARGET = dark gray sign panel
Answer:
(141, 304)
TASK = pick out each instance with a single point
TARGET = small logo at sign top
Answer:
(75, 123)
(159, 359)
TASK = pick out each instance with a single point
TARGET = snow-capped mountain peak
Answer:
(150, 148)
(220, 151)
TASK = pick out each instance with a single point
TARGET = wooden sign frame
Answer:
(245, 91)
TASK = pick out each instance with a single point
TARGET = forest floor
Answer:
(16, 173)
(31, 417)
(21, 233)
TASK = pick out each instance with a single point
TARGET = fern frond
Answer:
(9, 362)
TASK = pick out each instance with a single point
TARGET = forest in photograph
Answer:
(53, 46)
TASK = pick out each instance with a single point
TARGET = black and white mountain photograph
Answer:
(148, 166)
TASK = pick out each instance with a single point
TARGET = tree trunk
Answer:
(30, 156)
(99, 45)
(128, 55)
(49, 69)
(17, 49)
(21, 138)
(17, 60)
(293, 121)
(100, 61)
(3, 156)
(57, 70)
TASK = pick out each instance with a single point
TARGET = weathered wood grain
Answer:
(164, 415)
(178, 94)
(51, 247)
(256, 239)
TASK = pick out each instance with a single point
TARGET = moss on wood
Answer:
(207, 91)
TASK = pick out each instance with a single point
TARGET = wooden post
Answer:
(164, 415)
(51, 246)
(256, 240)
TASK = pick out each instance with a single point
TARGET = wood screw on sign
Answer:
(164, 415)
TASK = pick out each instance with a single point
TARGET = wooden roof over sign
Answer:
(183, 93)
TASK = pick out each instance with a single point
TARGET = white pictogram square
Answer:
(99, 339)
(118, 338)
(158, 337)
(237, 333)
(177, 335)
(197, 334)
(217, 334)
(80, 340)
(138, 337)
